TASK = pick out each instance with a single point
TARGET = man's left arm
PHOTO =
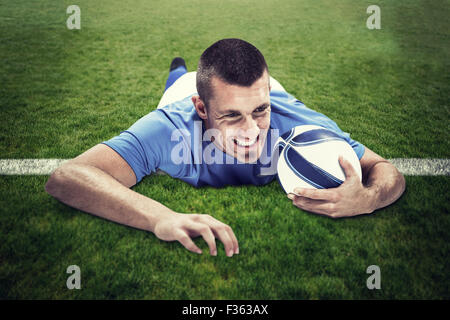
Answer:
(382, 184)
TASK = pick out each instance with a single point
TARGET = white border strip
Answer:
(29, 166)
(422, 167)
(409, 167)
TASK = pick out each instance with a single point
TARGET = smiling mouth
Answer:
(246, 144)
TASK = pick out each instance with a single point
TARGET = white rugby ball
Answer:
(309, 158)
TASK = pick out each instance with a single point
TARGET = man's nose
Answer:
(249, 128)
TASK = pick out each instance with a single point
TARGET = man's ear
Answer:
(200, 107)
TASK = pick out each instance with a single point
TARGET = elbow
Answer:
(51, 185)
(55, 182)
(402, 183)
(399, 182)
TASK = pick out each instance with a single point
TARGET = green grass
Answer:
(284, 253)
(63, 91)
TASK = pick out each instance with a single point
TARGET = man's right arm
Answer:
(98, 182)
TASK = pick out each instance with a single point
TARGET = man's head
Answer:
(234, 101)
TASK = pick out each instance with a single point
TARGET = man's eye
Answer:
(260, 109)
(232, 115)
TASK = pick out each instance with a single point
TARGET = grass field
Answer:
(63, 91)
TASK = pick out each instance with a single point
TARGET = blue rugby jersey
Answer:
(171, 139)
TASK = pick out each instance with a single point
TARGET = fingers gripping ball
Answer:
(309, 158)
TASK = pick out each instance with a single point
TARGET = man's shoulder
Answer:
(283, 101)
(177, 115)
(181, 113)
(288, 112)
(286, 107)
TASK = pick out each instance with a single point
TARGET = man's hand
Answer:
(99, 180)
(349, 199)
(181, 227)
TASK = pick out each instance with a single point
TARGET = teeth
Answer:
(245, 143)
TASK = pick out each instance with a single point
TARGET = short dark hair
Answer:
(233, 61)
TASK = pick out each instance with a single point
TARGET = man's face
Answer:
(240, 117)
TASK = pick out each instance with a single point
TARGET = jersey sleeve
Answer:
(146, 146)
(358, 147)
(295, 113)
(326, 122)
(330, 124)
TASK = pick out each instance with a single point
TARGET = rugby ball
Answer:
(308, 157)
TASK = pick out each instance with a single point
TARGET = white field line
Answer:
(407, 166)
(422, 167)
(33, 166)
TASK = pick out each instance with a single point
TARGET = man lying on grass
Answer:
(237, 105)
